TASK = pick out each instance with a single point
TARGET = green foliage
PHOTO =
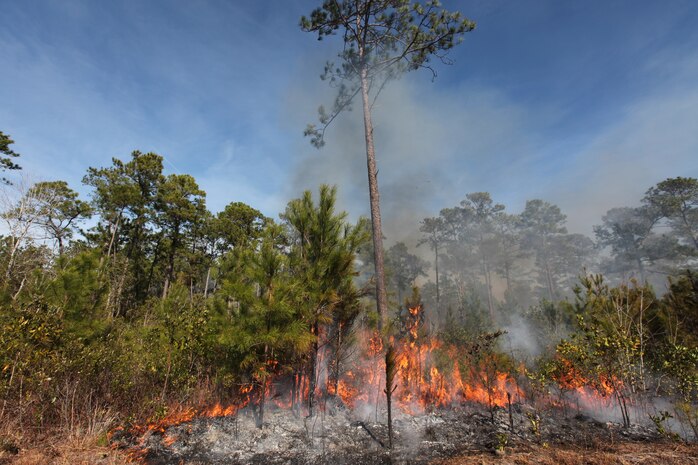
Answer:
(324, 248)
(58, 210)
(630, 234)
(551, 321)
(681, 363)
(6, 162)
(124, 196)
(238, 224)
(21, 263)
(534, 420)
(678, 319)
(543, 226)
(77, 287)
(404, 268)
(612, 345)
(268, 328)
(177, 327)
(180, 206)
(677, 200)
(659, 422)
(470, 318)
(626, 346)
(501, 442)
(381, 41)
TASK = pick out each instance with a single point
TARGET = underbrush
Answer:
(59, 449)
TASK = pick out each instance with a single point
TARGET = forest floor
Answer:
(617, 454)
(58, 450)
(467, 436)
(634, 453)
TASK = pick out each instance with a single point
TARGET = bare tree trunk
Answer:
(689, 230)
(549, 279)
(337, 357)
(113, 235)
(490, 297)
(641, 334)
(259, 416)
(641, 268)
(623, 409)
(153, 263)
(21, 286)
(13, 253)
(381, 295)
(116, 287)
(389, 389)
(436, 269)
(167, 373)
(170, 266)
(312, 375)
(208, 280)
(59, 238)
(511, 416)
(259, 410)
(507, 274)
(294, 392)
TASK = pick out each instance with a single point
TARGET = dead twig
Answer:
(370, 433)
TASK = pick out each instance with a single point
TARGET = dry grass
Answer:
(83, 443)
(64, 451)
(621, 454)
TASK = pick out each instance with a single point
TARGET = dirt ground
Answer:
(618, 454)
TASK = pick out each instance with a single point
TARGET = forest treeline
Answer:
(137, 298)
(506, 262)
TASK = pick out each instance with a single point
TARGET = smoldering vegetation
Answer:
(337, 437)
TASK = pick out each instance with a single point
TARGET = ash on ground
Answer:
(340, 436)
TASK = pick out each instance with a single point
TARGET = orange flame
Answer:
(429, 374)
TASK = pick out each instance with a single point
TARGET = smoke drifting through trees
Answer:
(494, 264)
(432, 157)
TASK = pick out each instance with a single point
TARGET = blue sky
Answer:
(585, 104)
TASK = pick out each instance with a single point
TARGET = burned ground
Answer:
(450, 436)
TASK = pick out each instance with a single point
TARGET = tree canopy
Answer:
(6, 162)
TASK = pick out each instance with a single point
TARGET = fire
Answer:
(594, 394)
(220, 411)
(346, 390)
(179, 415)
(375, 345)
(430, 374)
(169, 439)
